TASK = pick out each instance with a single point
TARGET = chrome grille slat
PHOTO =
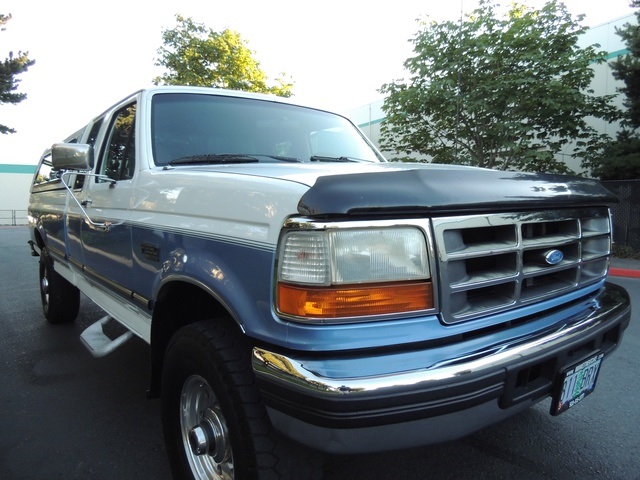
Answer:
(491, 263)
(552, 240)
(486, 282)
(536, 271)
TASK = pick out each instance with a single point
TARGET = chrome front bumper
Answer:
(508, 376)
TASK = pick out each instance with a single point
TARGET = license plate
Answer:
(575, 383)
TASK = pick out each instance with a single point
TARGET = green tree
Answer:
(194, 54)
(627, 69)
(11, 67)
(505, 91)
(621, 159)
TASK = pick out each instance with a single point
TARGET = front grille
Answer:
(491, 263)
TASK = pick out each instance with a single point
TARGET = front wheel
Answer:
(203, 431)
(60, 299)
(215, 424)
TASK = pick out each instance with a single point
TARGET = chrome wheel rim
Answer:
(205, 437)
(44, 288)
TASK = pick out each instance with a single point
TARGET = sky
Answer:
(89, 55)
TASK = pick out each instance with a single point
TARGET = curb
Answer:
(624, 272)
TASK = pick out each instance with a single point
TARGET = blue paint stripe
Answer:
(14, 168)
(242, 242)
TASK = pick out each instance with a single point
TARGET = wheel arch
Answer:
(38, 236)
(180, 302)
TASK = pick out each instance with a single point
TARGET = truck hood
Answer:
(445, 189)
(415, 188)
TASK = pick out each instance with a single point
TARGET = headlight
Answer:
(354, 272)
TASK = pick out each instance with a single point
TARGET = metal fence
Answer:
(13, 217)
(626, 214)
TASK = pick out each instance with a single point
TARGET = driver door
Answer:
(107, 252)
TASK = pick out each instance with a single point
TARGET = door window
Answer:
(118, 158)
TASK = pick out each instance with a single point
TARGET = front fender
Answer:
(237, 276)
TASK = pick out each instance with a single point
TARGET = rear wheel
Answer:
(60, 299)
(215, 424)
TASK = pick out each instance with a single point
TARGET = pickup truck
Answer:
(300, 294)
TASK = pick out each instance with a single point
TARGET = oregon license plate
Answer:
(575, 383)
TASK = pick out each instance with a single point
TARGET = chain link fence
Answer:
(626, 214)
(13, 217)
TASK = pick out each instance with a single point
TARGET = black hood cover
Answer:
(406, 190)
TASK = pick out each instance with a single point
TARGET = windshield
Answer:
(195, 128)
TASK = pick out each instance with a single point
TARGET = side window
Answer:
(45, 171)
(93, 134)
(118, 158)
(91, 140)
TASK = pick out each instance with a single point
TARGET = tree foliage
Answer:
(621, 159)
(11, 67)
(627, 69)
(194, 54)
(505, 91)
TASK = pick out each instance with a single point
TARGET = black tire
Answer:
(60, 299)
(208, 383)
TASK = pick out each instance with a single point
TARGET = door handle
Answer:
(104, 226)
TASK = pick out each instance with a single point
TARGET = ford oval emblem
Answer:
(553, 257)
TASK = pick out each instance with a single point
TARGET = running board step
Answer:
(100, 339)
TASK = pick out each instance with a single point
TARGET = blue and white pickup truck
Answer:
(300, 294)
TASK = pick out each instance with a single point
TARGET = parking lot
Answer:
(67, 415)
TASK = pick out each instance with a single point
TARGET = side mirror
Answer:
(71, 156)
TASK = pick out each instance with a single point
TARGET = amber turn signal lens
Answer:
(354, 300)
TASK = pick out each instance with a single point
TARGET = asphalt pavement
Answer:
(66, 415)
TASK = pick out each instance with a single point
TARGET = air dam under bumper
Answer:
(449, 400)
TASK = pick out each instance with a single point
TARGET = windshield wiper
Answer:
(320, 158)
(281, 158)
(231, 158)
(214, 158)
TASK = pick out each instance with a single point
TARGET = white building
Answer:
(15, 181)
